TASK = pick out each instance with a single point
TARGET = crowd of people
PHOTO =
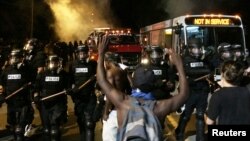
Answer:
(132, 106)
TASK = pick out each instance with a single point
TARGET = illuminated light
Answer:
(212, 21)
(168, 31)
(145, 39)
(212, 15)
(204, 15)
(145, 61)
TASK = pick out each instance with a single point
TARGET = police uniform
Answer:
(195, 67)
(162, 71)
(35, 58)
(14, 77)
(81, 70)
(53, 110)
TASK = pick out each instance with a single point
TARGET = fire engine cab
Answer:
(122, 42)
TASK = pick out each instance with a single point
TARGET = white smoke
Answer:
(75, 19)
(183, 7)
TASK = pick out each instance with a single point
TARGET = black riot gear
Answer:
(224, 51)
(82, 52)
(238, 52)
(195, 48)
(15, 57)
(84, 99)
(30, 46)
(54, 63)
(195, 67)
(156, 55)
(53, 110)
(14, 81)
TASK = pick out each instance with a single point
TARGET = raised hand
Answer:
(103, 44)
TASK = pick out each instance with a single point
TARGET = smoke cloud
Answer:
(183, 7)
(75, 19)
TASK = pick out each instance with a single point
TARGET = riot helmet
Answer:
(156, 55)
(30, 46)
(195, 48)
(82, 52)
(225, 51)
(15, 57)
(54, 63)
(238, 52)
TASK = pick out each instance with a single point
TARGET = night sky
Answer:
(15, 22)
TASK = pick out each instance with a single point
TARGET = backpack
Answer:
(140, 124)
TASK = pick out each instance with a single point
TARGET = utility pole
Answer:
(32, 18)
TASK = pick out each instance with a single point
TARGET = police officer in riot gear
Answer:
(195, 66)
(82, 70)
(35, 58)
(234, 52)
(164, 73)
(54, 109)
(14, 84)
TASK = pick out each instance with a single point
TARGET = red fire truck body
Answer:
(123, 43)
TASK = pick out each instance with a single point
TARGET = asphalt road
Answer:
(71, 133)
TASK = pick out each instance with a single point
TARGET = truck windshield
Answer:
(122, 39)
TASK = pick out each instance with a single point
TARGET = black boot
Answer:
(180, 130)
(200, 130)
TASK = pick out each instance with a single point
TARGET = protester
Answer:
(147, 113)
(229, 105)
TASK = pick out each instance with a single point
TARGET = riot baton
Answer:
(64, 91)
(202, 77)
(17, 91)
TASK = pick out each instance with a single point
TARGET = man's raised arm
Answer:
(110, 91)
(169, 105)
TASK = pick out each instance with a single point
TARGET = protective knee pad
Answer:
(200, 116)
(19, 133)
(46, 131)
(90, 125)
(19, 130)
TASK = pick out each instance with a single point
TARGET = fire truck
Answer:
(122, 42)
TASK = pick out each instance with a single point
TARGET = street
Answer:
(70, 130)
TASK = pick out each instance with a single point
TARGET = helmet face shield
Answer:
(28, 48)
(15, 57)
(226, 55)
(156, 55)
(195, 51)
(54, 63)
(82, 55)
(14, 60)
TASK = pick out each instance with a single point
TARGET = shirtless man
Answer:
(127, 105)
(118, 78)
